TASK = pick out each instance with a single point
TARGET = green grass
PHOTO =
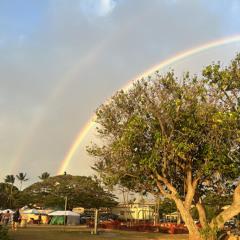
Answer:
(35, 232)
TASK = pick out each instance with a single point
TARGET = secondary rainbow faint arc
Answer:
(158, 66)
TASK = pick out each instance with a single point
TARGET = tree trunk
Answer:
(230, 212)
(157, 205)
(128, 207)
(202, 214)
(20, 186)
(124, 199)
(194, 236)
(194, 233)
(143, 211)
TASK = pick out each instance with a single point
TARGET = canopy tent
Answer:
(10, 211)
(60, 213)
(5, 211)
(57, 218)
(33, 211)
(30, 211)
(32, 214)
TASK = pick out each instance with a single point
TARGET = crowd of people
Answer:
(6, 217)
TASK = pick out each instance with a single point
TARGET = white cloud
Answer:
(106, 6)
(99, 8)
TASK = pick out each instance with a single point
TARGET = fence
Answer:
(171, 228)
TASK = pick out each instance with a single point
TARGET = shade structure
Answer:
(5, 211)
(32, 211)
(62, 213)
(32, 214)
(58, 218)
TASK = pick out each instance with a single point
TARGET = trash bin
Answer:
(23, 223)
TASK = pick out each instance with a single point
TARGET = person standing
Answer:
(6, 218)
(16, 218)
(39, 218)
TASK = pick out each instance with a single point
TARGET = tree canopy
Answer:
(177, 137)
(44, 176)
(7, 193)
(80, 192)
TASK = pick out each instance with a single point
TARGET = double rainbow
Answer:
(158, 66)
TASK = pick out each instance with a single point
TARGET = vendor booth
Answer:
(71, 218)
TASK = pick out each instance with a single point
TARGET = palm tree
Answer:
(22, 178)
(44, 176)
(10, 179)
(7, 180)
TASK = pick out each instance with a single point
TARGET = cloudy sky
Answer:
(61, 59)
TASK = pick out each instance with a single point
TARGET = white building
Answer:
(133, 211)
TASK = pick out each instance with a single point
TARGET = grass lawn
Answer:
(43, 232)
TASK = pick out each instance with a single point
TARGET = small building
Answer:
(133, 211)
(175, 216)
(78, 210)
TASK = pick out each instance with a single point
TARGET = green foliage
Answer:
(4, 233)
(194, 213)
(51, 192)
(210, 213)
(9, 179)
(44, 176)
(80, 192)
(166, 207)
(210, 233)
(166, 135)
(7, 193)
(220, 219)
(214, 202)
(162, 126)
(22, 178)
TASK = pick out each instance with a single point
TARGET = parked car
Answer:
(85, 218)
(230, 222)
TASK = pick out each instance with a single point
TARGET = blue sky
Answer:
(18, 18)
(59, 60)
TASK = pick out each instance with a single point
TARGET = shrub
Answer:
(4, 233)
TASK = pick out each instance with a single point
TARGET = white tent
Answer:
(60, 213)
(5, 211)
(31, 211)
(10, 211)
(58, 217)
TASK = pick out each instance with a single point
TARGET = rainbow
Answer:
(82, 63)
(158, 66)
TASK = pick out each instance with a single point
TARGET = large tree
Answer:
(5, 195)
(80, 192)
(179, 136)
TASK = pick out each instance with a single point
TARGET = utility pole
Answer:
(96, 223)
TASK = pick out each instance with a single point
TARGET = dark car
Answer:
(85, 218)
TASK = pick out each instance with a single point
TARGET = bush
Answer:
(4, 233)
